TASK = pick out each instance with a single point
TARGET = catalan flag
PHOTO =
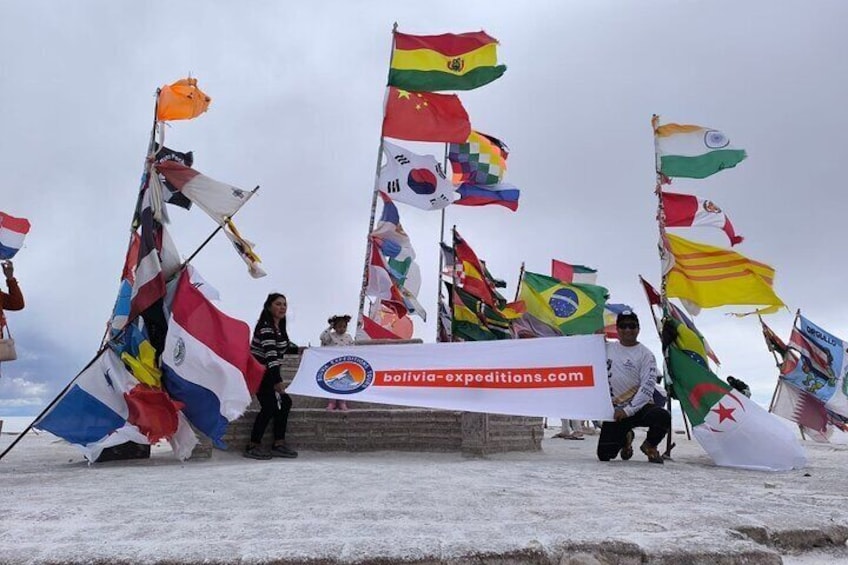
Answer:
(711, 276)
(449, 61)
(573, 308)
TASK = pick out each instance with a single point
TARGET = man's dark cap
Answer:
(626, 316)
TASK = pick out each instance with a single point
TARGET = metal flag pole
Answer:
(368, 242)
(441, 258)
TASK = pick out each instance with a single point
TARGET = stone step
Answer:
(403, 429)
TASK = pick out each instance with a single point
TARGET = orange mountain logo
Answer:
(348, 374)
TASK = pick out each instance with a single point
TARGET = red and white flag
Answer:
(207, 363)
(12, 233)
(685, 210)
(799, 406)
(218, 199)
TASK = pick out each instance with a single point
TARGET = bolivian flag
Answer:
(573, 308)
(427, 63)
(711, 276)
(694, 151)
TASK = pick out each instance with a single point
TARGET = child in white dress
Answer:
(336, 336)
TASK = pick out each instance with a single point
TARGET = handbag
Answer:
(7, 344)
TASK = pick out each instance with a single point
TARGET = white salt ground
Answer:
(405, 506)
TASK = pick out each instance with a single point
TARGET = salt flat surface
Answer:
(350, 506)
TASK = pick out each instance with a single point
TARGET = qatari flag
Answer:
(218, 199)
(12, 233)
(207, 363)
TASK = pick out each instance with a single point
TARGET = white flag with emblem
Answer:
(417, 180)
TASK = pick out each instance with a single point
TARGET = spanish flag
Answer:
(711, 276)
(428, 63)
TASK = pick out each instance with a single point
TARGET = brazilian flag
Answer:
(574, 308)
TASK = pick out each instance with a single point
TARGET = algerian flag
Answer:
(573, 308)
(732, 429)
(694, 151)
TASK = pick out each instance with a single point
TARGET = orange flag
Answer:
(181, 101)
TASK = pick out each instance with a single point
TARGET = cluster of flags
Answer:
(417, 109)
(172, 362)
(811, 389)
(704, 276)
(732, 429)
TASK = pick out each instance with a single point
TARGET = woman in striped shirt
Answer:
(270, 342)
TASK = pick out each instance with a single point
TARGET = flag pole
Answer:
(663, 250)
(441, 258)
(144, 180)
(453, 280)
(368, 242)
(520, 278)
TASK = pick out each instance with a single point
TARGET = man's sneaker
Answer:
(627, 448)
(283, 451)
(651, 452)
(255, 452)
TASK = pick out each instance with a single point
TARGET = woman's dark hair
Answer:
(265, 316)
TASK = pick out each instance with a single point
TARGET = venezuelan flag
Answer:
(428, 63)
(573, 308)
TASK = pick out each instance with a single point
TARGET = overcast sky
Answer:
(297, 92)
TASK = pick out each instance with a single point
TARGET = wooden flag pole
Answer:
(520, 278)
(368, 242)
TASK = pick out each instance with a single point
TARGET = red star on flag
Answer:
(724, 413)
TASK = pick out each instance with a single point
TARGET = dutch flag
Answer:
(12, 233)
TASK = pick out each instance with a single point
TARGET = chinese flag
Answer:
(425, 116)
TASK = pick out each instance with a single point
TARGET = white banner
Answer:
(554, 376)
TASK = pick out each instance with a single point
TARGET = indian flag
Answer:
(428, 63)
(693, 151)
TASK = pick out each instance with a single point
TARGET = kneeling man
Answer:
(632, 372)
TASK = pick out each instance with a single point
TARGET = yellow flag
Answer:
(181, 101)
(711, 276)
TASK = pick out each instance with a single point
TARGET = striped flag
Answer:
(711, 276)
(149, 282)
(502, 194)
(218, 199)
(568, 273)
(694, 151)
(207, 363)
(12, 233)
(106, 407)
